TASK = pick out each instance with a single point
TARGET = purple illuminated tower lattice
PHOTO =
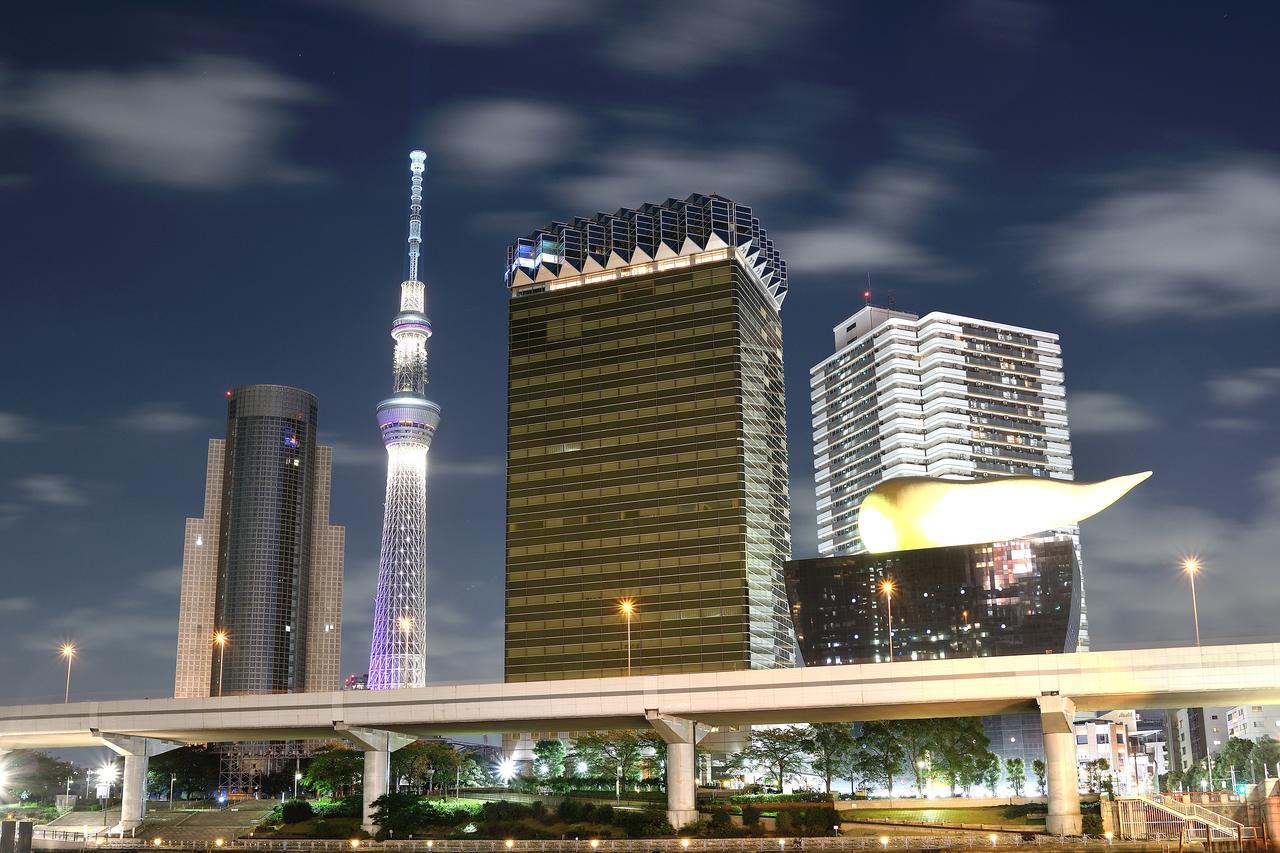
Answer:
(408, 422)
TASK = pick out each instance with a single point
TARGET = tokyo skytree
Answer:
(408, 422)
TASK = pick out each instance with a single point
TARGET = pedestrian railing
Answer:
(637, 845)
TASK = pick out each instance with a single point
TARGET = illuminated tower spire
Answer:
(408, 422)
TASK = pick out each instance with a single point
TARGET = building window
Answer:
(1103, 738)
(1082, 739)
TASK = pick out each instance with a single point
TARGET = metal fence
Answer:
(641, 845)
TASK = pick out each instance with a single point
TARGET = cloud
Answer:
(1010, 23)
(475, 468)
(1101, 412)
(1131, 554)
(350, 453)
(15, 605)
(162, 581)
(1234, 424)
(15, 427)
(1196, 242)
(159, 418)
(497, 138)
(631, 175)
(53, 489)
(678, 38)
(876, 230)
(208, 123)
(1245, 387)
(466, 21)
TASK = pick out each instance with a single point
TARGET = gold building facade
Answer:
(647, 462)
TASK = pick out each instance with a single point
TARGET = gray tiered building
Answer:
(263, 564)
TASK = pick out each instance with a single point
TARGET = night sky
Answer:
(202, 195)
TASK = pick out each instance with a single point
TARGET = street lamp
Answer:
(68, 652)
(1191, 565)
(220, 639)
(887, 588)
(627, 607)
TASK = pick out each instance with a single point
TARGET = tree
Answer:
(426, 764)
(989, 771)
(615, 753)
(878, 757)
(1234, 756)
(1194, 775)
(1015, 769)
(39, 774)
(830, 746)
(917, 739)
(780, 751)
(1264, 757)
(1038, 767)
(960, 752)
(334, 770)
(1096, 771)
(548, 759)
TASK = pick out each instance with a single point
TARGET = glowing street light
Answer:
(68, 651)
(887, 588)
(1191, 565)
(220, 639)
(507, 770)
(627, 607)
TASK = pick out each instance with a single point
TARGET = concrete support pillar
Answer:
(1056, 716)
(377, 783)
(133, 788)
(682, 737)
(377, 746)
(133, 791)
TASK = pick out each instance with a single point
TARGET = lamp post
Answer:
(173, 777)
(1191, 565)
(220, 640)
(68, 652)
(887, 588)
(627, 607)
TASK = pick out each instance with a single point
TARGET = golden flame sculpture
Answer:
(923, 512)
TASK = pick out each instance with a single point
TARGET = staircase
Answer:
(1161, 817)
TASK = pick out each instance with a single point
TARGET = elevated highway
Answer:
(682, 708)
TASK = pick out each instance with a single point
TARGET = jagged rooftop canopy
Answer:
(649, 233)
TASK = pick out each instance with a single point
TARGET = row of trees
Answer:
(881, 754)
(1240, 760)
(622, 755)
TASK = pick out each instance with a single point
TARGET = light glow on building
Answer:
(408, 422)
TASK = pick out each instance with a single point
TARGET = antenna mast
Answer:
(417, 165)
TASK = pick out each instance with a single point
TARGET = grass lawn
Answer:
(994, 815)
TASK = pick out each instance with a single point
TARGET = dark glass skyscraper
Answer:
(999, 598)
(263, 566)
(646, 445)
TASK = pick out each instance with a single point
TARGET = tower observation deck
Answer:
(408, 422)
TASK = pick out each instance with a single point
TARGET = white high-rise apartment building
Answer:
(935, 396)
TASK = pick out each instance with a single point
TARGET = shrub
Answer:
(786, 822)
(501, 811)
(296, 811)
(650, 823)
(346, 807)
(570, 810)
(720, 820)
(750, 815)
(1091, 824)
